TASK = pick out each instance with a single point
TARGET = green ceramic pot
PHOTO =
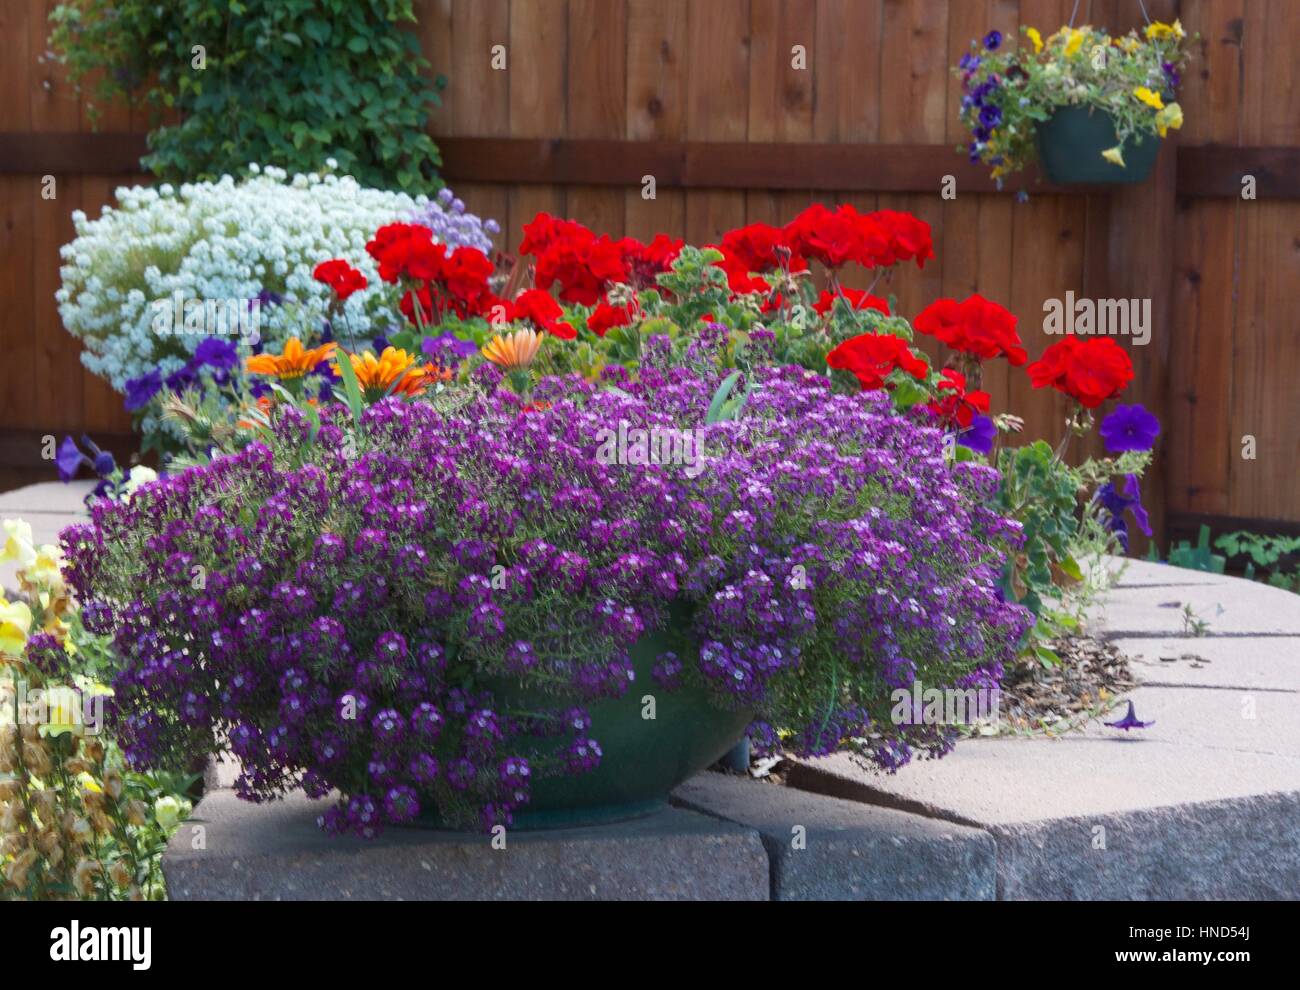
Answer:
(1070, 144)
(642, 759)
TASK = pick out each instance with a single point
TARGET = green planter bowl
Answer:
(642, 759)
(1070, 144)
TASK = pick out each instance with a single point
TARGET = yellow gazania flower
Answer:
(295, 362)
(1074, 40)
(15, 623)
(1170, 118)
(392, 372)
(1150, 97)
(1114, 155)
(18, 543)
(515, 350)
(1160, 30)
(1036, 38)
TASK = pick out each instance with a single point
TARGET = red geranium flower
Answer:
(975, 326)
(1089, 370)
(341, 277)
(871, 357)
(582, 267)
(739, 281)
(406, 249)
(545, 230)
(465, 277)
(541, 309)
(909, 237)
(760, 247)
(644, 262)
(858, 299)
(958, 406)
(607, 317)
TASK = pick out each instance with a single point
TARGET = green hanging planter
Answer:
(642, 759)
(1070, 144)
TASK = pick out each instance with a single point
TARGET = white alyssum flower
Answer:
(224, 240)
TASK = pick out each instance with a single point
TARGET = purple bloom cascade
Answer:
(364, 588)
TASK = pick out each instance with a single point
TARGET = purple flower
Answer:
(140, 390)
(1129, 721)
(979, 436)
(993, 40)
(969, 62)
(1129, 428)
(215, 353)
(1117, 501)
(68, 459)
(1171, 74)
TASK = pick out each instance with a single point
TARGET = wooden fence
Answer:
(702, 94)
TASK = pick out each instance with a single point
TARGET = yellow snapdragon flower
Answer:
(15, 624)
(1114, 155)
(1074, 40)
(18, 543)
(1160, 30)
(1169, 119)
(1150, 97)
(1036, 38)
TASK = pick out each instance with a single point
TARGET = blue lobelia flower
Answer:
(1129, 428)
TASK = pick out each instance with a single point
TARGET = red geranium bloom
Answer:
(582, 267)
(909, 237)
(858, 299)
(607, 317)
(1089, 370)
(975, 326)
(341, 277)
(760, 247)
(540, 308)
(871, 357)
(465, 277)
(958, 406)
(644, 262)
(545, 230)
(406, 249)
(739, 281)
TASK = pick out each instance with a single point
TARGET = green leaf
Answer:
(714, 415)
(351, 387)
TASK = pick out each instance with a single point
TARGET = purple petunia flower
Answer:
(1117, 501)
(1129, 721)
(990, 117)
(140, 390)
(1171, 74)
(993, 40)
(1129, 428)
(68, 459)
(216, 353)
(979, 436)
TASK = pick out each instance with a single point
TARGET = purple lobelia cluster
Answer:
(453, 225)
(342, 603)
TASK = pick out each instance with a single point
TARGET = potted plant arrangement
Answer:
(1090, 108)
(535, 557)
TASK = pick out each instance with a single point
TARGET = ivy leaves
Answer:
(290, 82)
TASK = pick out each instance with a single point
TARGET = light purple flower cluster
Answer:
(348, 608)
(451, 224)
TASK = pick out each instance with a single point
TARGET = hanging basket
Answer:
(1070, 144)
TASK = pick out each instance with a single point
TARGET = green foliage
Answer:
(1275, 554)
(289, 82)
(1040, 492)
(1198, 557)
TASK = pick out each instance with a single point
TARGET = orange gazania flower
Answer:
(295, 362)
(392, 373)
(515, 350)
